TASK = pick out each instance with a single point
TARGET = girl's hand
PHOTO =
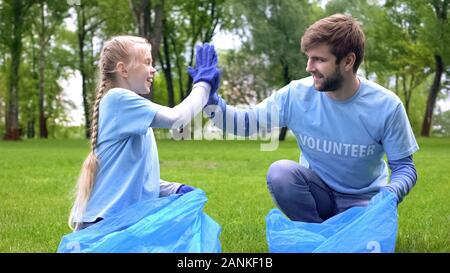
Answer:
(206, 69)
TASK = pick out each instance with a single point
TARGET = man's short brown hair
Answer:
(341, 32)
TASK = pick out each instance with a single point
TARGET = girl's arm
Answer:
(167, 188)
(184, 112)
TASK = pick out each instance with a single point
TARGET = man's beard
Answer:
(332, 82)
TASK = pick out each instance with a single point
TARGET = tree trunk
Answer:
(157, 30)
(191, 62)
(30, 129)
(195, 35)
(43, 132)
(432, 95)
(178, 66)
(405, 94)
(166, 66)
(82, 68)
(12, 112)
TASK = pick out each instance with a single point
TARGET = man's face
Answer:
(322, 66)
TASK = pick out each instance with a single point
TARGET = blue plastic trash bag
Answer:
(370, 229)
(175, 223)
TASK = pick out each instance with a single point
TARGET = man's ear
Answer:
(349, 61)
(121, 70)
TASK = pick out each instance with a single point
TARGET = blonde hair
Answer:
(127, 49)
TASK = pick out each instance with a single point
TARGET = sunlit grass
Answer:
(37, 176)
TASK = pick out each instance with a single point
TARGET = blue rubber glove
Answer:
(389, 190)
(184, 189)
(214, 98)
(206, 67)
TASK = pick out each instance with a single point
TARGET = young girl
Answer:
(122, 167)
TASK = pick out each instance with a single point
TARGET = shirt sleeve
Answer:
(184, 112)
(134, 114)
(167, 188)
(268, 114)
(403, 176)
(398, 139)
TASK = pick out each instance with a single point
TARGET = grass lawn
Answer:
(37, 176)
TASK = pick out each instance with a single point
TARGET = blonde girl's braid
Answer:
(95, 112)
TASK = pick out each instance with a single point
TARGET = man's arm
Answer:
(403, 176)
(268, 114)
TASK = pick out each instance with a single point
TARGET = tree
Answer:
(88, 20)
(166, 64)
(50, 16)
(244, 77)
(431, 25)
(15, 13)
(184, 25)
(276, 28)
(204, 18)
(149, 16)
(438, 27)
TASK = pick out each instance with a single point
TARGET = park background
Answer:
(48, 56)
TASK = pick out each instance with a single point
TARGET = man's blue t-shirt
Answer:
(344, 141)
(128, 169)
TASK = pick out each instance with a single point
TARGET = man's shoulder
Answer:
(302, 84)
(376, 92)
(301, 89)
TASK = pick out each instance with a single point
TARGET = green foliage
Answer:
(244, 77)
(401, 40)
(275, 29)
(121, 23)
(442, 124)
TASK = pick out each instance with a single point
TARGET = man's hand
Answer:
(389, 190)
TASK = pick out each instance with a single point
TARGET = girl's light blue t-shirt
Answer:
(128, 168)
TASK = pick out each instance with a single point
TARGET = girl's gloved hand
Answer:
(184, 189)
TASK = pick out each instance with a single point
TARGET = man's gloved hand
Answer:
(206, 68)
(184, 189)
(389, 190)
(214, 98)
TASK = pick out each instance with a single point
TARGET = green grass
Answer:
(37, 176)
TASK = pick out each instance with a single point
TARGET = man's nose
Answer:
(310, 66)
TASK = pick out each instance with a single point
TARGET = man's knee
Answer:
(281, 172)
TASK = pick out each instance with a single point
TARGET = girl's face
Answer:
(141, 75)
